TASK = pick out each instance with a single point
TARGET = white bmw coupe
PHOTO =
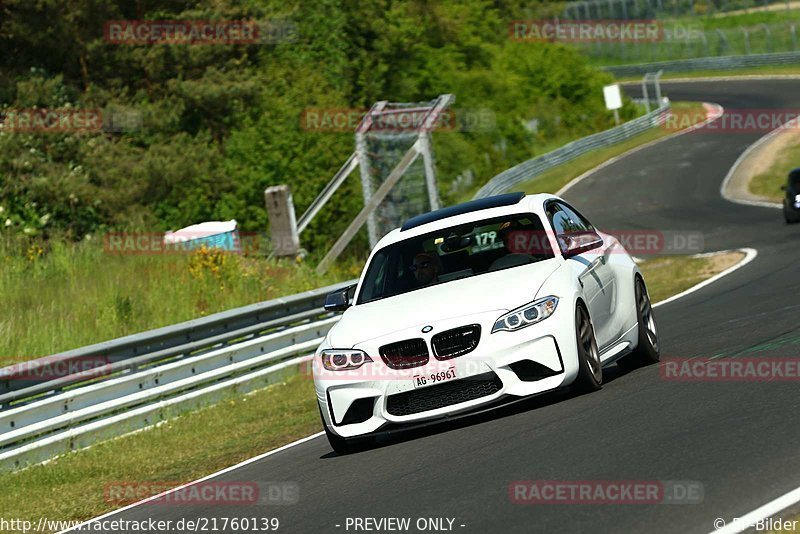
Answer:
(474, 304)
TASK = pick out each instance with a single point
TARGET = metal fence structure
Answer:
(149, 376)
(682, 40)
(708, 63)
(640, 9)
(532, 168)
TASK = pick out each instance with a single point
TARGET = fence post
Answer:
(282, 222)
(723, 43)
(746, 41)
(769, 37)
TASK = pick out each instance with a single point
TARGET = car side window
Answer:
(379, 266)
(565, 220)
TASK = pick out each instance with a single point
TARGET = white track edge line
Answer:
(723, 188)
(763, 512)
(749, 255)
(193, 482)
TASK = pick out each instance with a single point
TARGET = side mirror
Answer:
(783, 187)
(576, 243)
(339, 300)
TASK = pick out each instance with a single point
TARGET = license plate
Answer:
(434, 377)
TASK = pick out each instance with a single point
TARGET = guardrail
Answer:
(531, 168)
(707, 63)
(157, 374)
(128, 354)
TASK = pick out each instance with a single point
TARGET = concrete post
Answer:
(282, 222)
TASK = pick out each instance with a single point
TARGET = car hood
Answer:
(501, 290)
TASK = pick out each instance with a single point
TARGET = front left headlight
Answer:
(526, 315)
(344, 359)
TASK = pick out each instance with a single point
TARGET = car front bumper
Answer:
(533, 360)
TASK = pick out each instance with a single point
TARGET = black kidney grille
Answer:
(456, 342)
(441, 395)
(405, 354)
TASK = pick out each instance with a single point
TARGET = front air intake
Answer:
(456, 342)
(405, 354)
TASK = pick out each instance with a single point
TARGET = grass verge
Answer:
(57, 296)
(556, 178)
(670, 275)
(750, 71)
(182, 449)
(768, 184)
(193, 445)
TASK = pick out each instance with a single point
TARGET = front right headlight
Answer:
(526, 315)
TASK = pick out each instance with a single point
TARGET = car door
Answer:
(591, 268)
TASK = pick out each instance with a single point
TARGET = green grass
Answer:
(668, 276)
(751, 71)
(556, 178)
(57, 296)
(193, 445)
(184, 448)
(768, 184)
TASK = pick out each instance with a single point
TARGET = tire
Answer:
(590, 370)
(790, 217)
(340, 445)
(647, 349)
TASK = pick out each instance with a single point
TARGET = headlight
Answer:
(529, 314)
(797, 198)
(344, 360)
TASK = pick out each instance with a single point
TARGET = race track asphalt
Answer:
(741, 441)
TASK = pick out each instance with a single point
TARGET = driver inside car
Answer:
(425, 268)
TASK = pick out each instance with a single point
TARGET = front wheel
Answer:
(647, 349)
(590, 370)
(791, 218)
(339, 444)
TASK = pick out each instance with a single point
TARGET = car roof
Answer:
(496, 201)
(497, 206)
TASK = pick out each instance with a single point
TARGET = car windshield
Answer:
(455, 253)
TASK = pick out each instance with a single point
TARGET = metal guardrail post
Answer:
(326, 194)
(657, 83)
